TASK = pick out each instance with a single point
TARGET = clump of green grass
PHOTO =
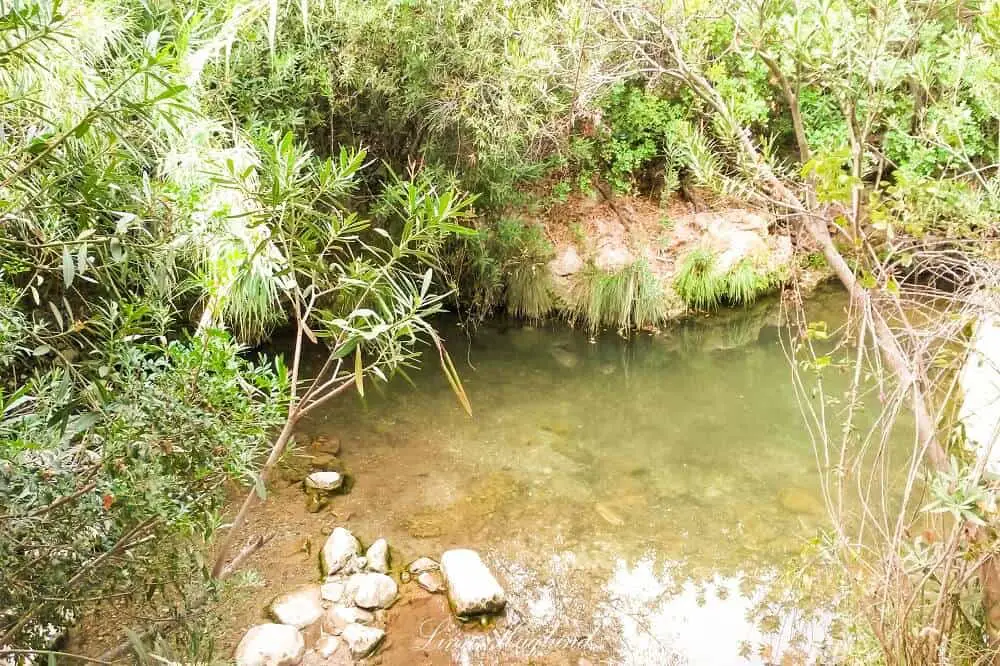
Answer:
(745, 283)
(703, 287)
(632, 297)
(698, 283)
(529, 291)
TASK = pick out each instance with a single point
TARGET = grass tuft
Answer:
(698, 283)
(632, 297)
(529, 291)
(702, 287)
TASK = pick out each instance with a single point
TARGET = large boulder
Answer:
(270, 645)
(361, 639)
(299, 607)
(340, 549)
(472, 589)
(371, 590)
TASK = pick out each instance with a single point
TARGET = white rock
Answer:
(431, 581)
(378, 556)
(422, 564)
(332, 591)
(472, 589)
(327, 646)
(325, 481)
(298, 608)
(270, 645)
(339, 617)
(362, 640)
(371, 590)
(340, 548)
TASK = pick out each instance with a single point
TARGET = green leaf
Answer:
(152, 41)
(359, 378)
(259, 487)
(81, 259)
(427, 282)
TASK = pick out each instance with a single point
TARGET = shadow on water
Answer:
(635, 497)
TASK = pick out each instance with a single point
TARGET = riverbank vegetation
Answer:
(177, 183)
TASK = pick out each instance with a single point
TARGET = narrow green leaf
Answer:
(359, 378)
(81, 259)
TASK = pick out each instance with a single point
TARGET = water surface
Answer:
(635, 497)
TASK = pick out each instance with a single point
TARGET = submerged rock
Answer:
(362, 640)
(341, 548)
(339, 617)
(378, 556)
(270, 645)
(800, 500)
(298, 608)
(372, 590)
(472, 589)
(564, 357)
(431, 581)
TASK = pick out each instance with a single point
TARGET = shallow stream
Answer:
(636, 498)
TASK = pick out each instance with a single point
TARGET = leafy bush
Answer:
(477, 88)
(642, 128)
(505, 266)
(113, 490)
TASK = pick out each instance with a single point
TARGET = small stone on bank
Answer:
(371, 590)
(324, 481)
(270, 645)
(472, 589)
(327, 646)
(431, 581)
(340, 548)
(331, 591)
(339, 617)
(362, 640)
(422, 564)
(330, 445)
(378, 556)
(299, 607)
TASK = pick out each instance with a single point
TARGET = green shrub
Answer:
(632, 297)
(116, 488)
